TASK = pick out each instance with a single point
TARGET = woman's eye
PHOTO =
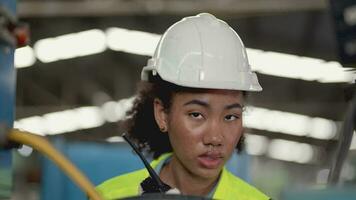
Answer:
(231, 117)
(196, 115)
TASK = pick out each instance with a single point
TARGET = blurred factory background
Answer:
(78, 74)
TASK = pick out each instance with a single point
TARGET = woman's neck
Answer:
(177, 176)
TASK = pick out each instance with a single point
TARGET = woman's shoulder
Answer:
(232, 186)
(122, 186)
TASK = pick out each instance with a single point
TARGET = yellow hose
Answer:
(42, 145)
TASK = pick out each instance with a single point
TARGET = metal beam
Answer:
(99, 8)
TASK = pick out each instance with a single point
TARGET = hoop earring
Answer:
(163, 129)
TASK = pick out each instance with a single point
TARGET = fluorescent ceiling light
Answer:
(256, 144)
(62, 121)
(71, 45)
(89, 117)
(296, 67)
(279, 149)
(24, 57)
(109, 111)
(289, 123)
(115, 111)
(290, 151)
(75, 119)
(115, 139)
(32, 124)
(135, 42)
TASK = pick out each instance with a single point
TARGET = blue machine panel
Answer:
(7, 95)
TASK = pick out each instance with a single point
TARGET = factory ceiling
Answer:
(303, 28)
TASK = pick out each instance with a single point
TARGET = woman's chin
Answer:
(208, 173)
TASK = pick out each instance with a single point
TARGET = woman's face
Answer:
(204, 128)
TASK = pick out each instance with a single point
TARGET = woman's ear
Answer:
(161, 115)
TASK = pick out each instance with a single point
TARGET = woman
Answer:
(188, 112)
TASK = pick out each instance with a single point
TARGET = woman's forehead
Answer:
(213, 91)
(211, 95)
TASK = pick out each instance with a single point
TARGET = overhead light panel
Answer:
(70, 45)
(130, 41)
(89, 117)
(62, 121)
(34, 124)
(115, 111)
(289, 123)
(297, 67)
(75, 119)
(256, 144)
(290, 151)
(115, 139)
(279, 149)
(24, 57)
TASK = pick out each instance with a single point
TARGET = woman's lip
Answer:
(210, 161)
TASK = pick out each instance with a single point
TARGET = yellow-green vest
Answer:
(229, 187)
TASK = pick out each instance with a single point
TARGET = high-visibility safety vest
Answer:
(229, 186)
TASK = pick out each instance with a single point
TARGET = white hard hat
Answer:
(202, 52)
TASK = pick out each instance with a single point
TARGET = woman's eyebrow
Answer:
(197, 102)
(205, 104)
(235, 105)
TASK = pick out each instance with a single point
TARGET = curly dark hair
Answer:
(141, 126)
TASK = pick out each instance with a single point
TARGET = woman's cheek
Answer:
(193, 126)
(234, 136)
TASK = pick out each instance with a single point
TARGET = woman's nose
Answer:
(213, 135)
